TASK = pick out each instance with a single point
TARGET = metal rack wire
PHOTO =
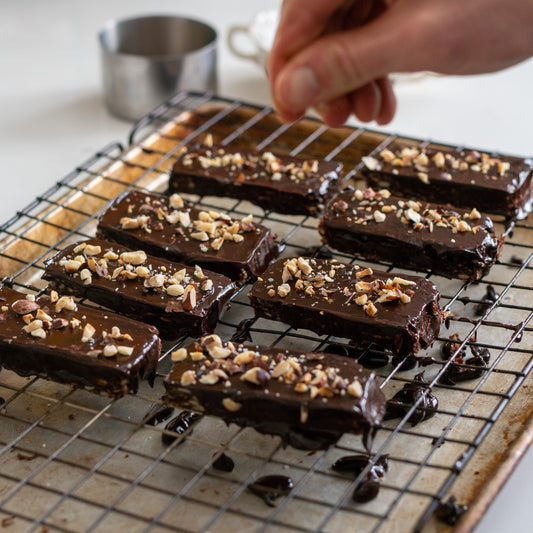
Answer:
(74, 461)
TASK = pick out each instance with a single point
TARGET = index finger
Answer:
(300, 23)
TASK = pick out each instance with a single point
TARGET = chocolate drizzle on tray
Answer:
(270, 488)
(411, 393)
(368, 488)
(179, 425)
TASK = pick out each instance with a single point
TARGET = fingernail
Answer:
(299, 88)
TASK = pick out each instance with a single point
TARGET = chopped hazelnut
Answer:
(256, 375)
(65, 302)
(134, 258)
(88, 331)
(188, 378)
(231, 405)
(91, 249)
(179, 355)
(355, 389)
(284, 289)
(244, 357)
(363, 273)
(110, 350)
(189, 298)
(175, 290)
(175, 201)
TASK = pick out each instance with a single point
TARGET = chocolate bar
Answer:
(462, 178)
(175, 298)
(278, 183)
(401, 314)
(55, 338)
(375, 225)
(309, 399)
(168, 227)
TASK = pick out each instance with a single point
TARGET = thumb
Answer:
(338, 64)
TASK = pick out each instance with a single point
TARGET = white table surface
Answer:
(52, 118)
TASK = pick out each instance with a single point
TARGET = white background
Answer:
(52, 118)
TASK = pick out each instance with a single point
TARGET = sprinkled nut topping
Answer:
(371, 208)
(179, 355)
(319, 282)
(39, 322)
(183, 285)
(265, 165)
(211, 229)
(88, 331)
(257, 368)
(424, 160)
(134, 258)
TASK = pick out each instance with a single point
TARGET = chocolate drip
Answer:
(490, 297)
(355, 464)
(450, 511)
(178, 425)
(451, 346)
(515, 260)
(317, 252)
(368, 488)
(476, 365)
(224, 463)
(158, 413)
(406, 397)
(242, 333)
(270, 488)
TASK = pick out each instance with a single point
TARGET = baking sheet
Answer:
(87, 463)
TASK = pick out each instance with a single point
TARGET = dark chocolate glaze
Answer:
(274, 407)
(366, 490)
(133, 298)
(508, 195)
(270, 488)
(516, 260)
(179, 425)
(366, 357)
(355, 464)
(63, 357)
(407, 396)
(462, 369)
(401, 328)
(242, 333)
(237, 260)
(451, 346)
(450, 511)
(317, 252)
(224, 463)
(253, 181)
(490, 297)
(158, 413)
(466, 255)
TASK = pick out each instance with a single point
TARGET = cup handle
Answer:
(235, 31)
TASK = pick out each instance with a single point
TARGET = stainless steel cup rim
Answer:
(113, 26)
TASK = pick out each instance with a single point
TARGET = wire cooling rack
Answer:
(72, 461)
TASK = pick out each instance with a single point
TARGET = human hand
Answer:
(335, 55)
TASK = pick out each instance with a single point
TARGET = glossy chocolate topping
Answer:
(167, 227)
(58, 339)
(398, 313)
(309, 399)
(375, 225)
(279, 183)
(177, 299)
(493, 184)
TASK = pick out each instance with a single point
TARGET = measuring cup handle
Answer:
(234, 32)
